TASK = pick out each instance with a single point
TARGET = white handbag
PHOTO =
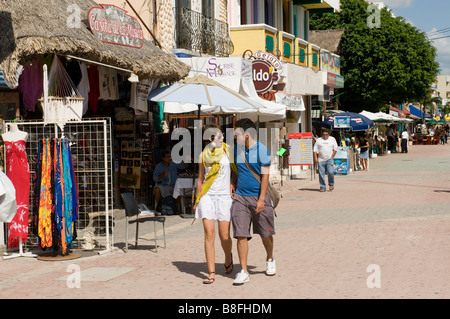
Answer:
(8, 205)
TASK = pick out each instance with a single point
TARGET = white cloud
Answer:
(442, 44)
(398, 3)
(411, 22)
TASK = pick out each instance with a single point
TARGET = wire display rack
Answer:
(91, 148)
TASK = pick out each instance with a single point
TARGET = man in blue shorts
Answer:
(251, 202)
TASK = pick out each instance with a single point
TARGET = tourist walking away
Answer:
(405, 138)
(324, 150)
(363, 152)
(391, 138)
(442, 134)
(251, 202)
(213, 201)
(446, 129)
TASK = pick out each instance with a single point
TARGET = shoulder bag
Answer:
(273, 193)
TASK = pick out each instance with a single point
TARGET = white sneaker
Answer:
(270, 267)
(241, 278)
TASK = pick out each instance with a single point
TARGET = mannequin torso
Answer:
(14, 134)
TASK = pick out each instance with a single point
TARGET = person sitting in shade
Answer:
(165, 176)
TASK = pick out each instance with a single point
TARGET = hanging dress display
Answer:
(57, 201)
(45, 198)
(18, 171)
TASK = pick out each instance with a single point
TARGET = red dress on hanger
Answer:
(18, 171)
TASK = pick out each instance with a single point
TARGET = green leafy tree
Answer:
(445, 109)
(392, 63)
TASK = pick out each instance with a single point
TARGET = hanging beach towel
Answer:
(8, 205)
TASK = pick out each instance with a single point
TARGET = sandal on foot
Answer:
(227, 268)
(321, 190)
(209, 280)
(331, 188)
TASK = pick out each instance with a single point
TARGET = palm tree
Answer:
(430, 102)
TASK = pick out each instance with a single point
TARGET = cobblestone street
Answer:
(380, 234)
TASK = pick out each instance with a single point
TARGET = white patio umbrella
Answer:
(393, 117)
(204, 92)
(212, 97)
(382, 117)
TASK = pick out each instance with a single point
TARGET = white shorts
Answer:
(217, 207)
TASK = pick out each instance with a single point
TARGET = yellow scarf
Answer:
(212, 156)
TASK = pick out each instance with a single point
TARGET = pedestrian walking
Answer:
(213, 201)
(405, 139)
(251, 202)
(324, 150)
(391, 138)
(442, 134)
(364, 152)
(446, 128)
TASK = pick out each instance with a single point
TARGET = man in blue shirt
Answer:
(251, 202)
(165, 176)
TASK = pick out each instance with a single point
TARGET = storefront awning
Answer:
(416, 112)
(35, 28)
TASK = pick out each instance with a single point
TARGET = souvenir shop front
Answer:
(76, 126)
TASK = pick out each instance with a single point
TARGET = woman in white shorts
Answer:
(213, 197)
(364, 152)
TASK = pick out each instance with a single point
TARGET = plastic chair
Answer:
(132, 208)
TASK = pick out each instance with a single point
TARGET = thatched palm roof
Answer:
(29, 28)
(327, 39)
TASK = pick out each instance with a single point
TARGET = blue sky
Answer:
(429, 16)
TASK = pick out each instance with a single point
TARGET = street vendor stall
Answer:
(104, 73)
(346, 122)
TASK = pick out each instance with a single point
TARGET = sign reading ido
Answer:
(111, 24)
(265, 69)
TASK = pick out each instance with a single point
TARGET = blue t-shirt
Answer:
(257, 156)
(173, 173)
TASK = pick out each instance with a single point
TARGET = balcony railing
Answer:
(198, 33)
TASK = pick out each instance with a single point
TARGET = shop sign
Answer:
(293, 102)
(331, 79)
(391, 112)
(111, 24)
(265, 71)
(300, 149)
(339, 81)
(330, 62)
(342, 122)
(221, 67)
(326, 94)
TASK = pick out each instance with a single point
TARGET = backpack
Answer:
(168, 206)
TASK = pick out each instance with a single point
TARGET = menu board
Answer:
(300, 149)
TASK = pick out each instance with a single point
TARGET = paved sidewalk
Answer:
(387, 228)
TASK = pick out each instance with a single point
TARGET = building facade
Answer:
(219, 38)
(307, 73)
(442, 88)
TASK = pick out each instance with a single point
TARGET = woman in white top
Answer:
(213, 198)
